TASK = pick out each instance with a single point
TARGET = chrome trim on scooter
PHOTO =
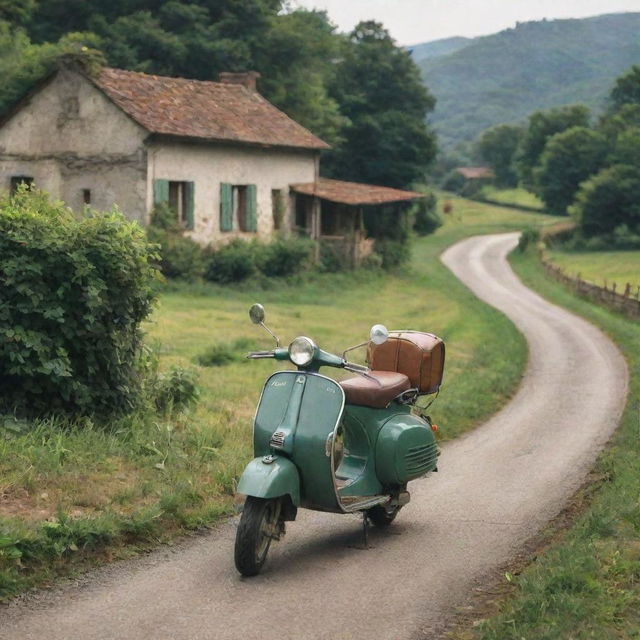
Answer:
(365, 503)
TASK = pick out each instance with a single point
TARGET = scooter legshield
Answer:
(278, 477)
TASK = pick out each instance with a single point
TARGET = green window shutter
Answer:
(160, 192)
(252, 208)
(226, 207)
(189, 204)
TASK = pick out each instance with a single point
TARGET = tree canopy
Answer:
(497, 147)
(386, 139)
(541, 127)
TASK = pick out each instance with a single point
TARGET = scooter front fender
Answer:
(276, 478)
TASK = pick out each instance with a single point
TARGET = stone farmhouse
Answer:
(228, 162)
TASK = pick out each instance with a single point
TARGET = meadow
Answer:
(75, 494)
(601, 267)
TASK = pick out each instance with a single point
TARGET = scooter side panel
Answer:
(277, 478)
(320, 412)
(272, 408)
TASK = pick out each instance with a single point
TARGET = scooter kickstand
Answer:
(365, 529)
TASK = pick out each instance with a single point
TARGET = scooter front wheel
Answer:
(260, 523)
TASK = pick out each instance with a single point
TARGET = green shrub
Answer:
(528, 238)
(284, 256)
(221, 354)
(334, 257)
(176, 389)
(608, 200)
(180, 257)
(216, 355)
(426, 216)
(232, 263)
(393, 252)
(164, 217)
(72, 296)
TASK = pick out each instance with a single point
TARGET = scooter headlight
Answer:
(302, 350)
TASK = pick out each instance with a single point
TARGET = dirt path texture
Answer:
(497, 487)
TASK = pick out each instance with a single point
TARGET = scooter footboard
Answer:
(271, 477)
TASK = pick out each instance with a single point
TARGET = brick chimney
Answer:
(245, 78)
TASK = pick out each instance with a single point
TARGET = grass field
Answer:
(587, 585)
(515, 197)
(72, 494)
(621, 267)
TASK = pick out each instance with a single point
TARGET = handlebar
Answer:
(322, 359)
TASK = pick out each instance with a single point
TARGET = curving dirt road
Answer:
(496, 488)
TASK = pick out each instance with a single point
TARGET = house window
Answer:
(86, 196)
(179, 196)
(238, 207)
(16, 181)
(278, 208)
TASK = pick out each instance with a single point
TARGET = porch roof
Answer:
(353, 193)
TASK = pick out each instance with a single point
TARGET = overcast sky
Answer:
(416, 21)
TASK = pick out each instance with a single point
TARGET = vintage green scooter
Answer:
(343, 447)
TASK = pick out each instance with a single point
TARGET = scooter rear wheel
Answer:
(260, 523)
(382, 516)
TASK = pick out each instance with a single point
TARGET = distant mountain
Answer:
(438, 48)
(536, 65)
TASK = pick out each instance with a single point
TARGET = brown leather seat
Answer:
(376, 393)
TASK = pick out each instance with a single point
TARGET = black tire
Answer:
(259, 521)
(382, 516)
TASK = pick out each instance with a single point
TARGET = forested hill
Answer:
(536, 65)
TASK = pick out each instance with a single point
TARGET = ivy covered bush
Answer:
(72, 296)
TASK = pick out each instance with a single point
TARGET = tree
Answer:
(608, 201)
(379, 90)
(542, 125)
(568, 159)
(497, 147)
(626, 89)
(627, 148)
(296, 59)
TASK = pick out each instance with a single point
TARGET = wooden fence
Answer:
(624, 299)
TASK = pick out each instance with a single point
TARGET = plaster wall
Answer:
(208, 165)
(70, 137)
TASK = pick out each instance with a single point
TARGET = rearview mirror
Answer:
(379, 334)
(256, 313)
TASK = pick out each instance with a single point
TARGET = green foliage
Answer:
(180, 257)
(23, 64)
(380, 92)
(164, 217)
(72, 296)
(608, 200)
(426, 216)
(503, 77)
(233, 262)
(223, 353)
(528, 238)
(626, 89)
(296, 59)
(176, 390)
(568, 159)
(497, 147)
(284, 256)
(393, 252)
(542, 126)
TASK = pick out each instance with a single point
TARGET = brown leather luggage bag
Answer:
(420, 356)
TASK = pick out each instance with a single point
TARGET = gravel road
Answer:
(497, 487)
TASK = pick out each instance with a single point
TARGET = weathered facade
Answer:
(219, 154)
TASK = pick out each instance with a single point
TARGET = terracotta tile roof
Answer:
(475, 173)
(203, 110)
(353, 193)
